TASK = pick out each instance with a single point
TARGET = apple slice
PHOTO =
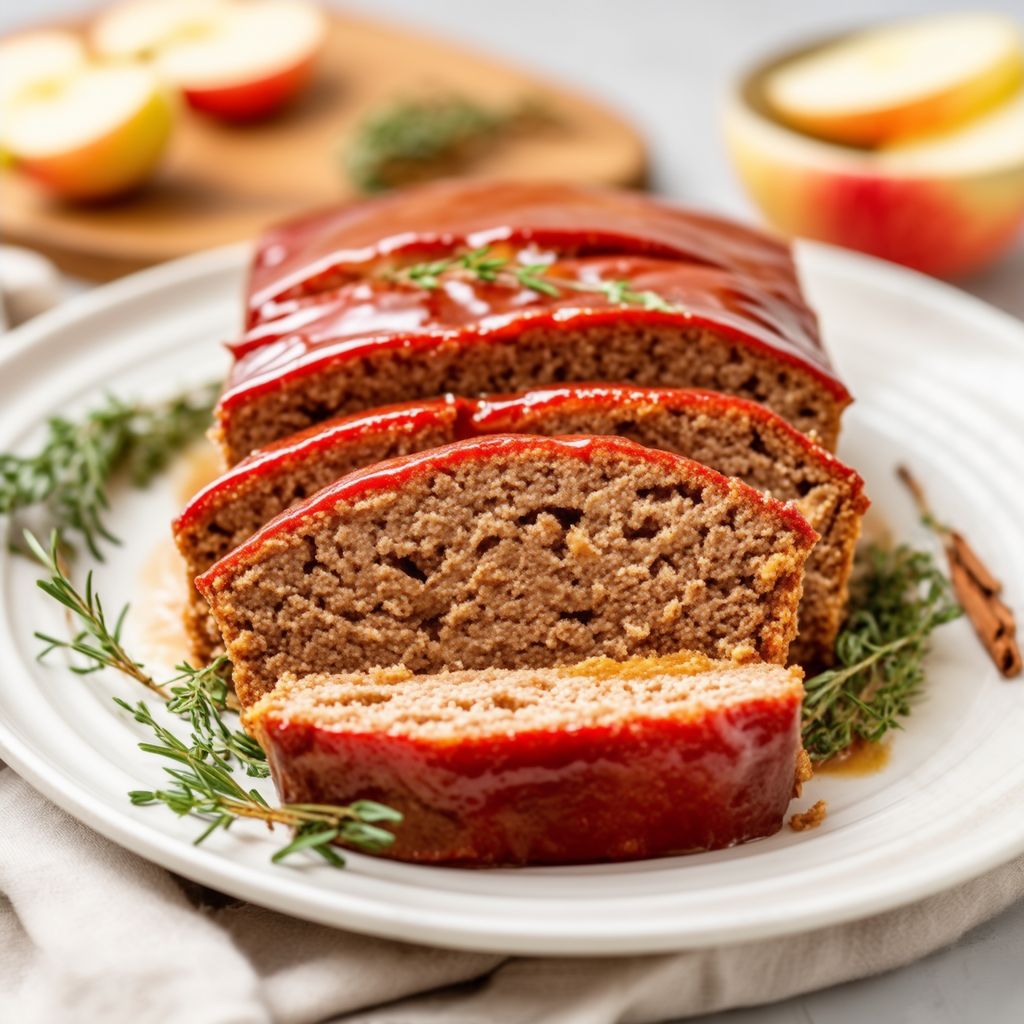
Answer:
(907, 79)
(36, 59)
(990, 144)
(140, 29)
(235, 60)
(96, 133)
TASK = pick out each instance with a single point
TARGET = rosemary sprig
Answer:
(898, 597)
(481, 265)
(202, 782)
(70, 473)
(416, 140)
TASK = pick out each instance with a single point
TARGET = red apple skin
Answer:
(937, 227)
(253, 101)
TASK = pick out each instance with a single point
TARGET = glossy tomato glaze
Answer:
(395, 473)
(644, 788)
(374, 316)
(518, 413)
(298, 257)
(320, 293)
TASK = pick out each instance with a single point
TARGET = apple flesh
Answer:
(903, 80)
(234, 60)
(96, 133)
(35, 60)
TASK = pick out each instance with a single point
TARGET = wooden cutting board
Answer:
(221, 183)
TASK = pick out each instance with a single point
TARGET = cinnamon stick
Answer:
(975, 586)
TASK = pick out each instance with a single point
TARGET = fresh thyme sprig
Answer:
(481, 265)
(70, 473)
(198, 695)
(416, 140)
(898, 597)
(202, 783)
(98, 642)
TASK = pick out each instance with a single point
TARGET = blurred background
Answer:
(663, 66)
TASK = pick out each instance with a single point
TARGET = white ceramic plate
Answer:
(939, 379)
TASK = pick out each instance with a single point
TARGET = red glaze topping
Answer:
(375, 315)
(642, 788)
(296, 258)
(395, 473)
(320, 292)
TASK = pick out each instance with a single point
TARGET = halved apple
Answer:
(947, 206)
(97, 132)
(236, 60)
(901, 80)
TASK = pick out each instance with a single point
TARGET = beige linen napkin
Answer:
(89, 932)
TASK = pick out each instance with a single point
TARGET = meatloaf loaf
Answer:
(512, 552)
(341, 323)
(598, 761)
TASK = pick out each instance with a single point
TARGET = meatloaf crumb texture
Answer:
(737, 439)
(235, 506)
(512, 552)
(598, 761)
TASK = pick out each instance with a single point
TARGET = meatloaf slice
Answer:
(596, 762)
(634, 290)
(735, 437)
(238, 503)
(512, 552)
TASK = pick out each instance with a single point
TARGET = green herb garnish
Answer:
(203, 785)
(481, 265)
(70, 474)
(202, 780)
(898, 596)
(416, 140)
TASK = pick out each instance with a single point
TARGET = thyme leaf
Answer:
(481, 265)
(898, 597)
(204, 786)
(69, 475)
(416, 140)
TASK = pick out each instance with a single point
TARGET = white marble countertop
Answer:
(664, 64)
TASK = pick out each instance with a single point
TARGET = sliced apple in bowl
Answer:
(93, 133)
(899, 80)
(947, 202)
(239, 60)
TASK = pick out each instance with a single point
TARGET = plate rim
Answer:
(424, 924)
